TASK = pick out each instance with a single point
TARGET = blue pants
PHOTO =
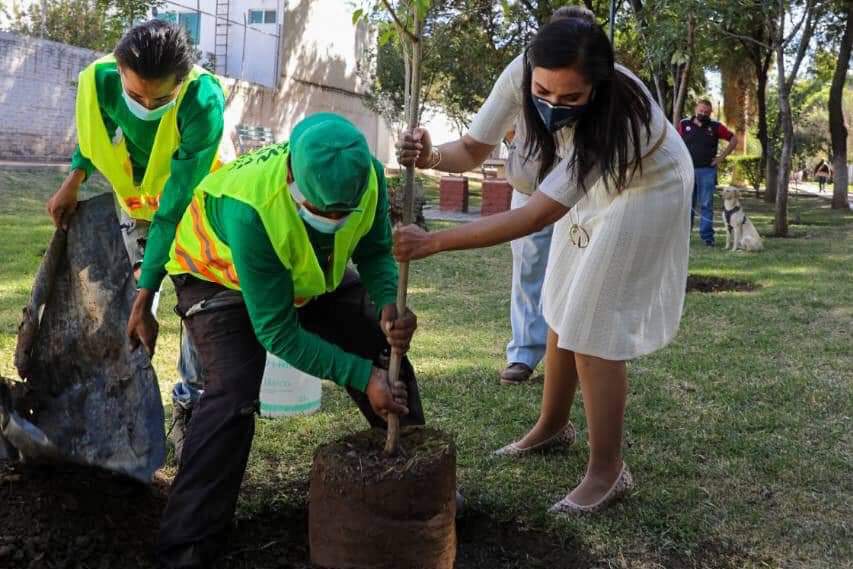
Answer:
(703, 200)
(529, 259)
(188, 389)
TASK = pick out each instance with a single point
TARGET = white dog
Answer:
(741, 232)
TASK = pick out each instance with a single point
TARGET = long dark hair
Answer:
(618, 108)
(156, 50)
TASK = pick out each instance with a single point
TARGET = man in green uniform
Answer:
(152, 123)
(260, 264)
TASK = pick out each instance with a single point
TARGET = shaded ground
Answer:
(703, 283)
(73, 518)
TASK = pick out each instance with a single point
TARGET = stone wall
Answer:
(38, 86)
(38, 83)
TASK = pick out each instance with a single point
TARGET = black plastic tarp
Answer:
(87, 397)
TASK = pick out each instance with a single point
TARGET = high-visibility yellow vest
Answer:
(112, 159)
(259, 180)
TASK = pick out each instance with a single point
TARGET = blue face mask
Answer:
(556, 117)
(142, 112)
(318, 222)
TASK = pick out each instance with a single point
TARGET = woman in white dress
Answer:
(620, 195)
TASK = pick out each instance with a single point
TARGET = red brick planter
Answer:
(453, 194)
(497, 196)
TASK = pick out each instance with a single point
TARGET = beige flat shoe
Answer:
(565, 436)
(624, 484)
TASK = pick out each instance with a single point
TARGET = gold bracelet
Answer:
(435, 158)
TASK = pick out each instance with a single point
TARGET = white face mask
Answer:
(318, 222)
(142, 112)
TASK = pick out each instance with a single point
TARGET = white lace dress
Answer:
(617, 271)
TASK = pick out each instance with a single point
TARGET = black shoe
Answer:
(516, 373)
(709, 243)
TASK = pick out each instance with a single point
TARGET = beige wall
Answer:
(280, 110)
(319, 58)
(321, 45)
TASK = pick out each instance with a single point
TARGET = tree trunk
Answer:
(413, 94)
(761, 102)
(837, 128)
(772, 175)
(660, 89)
(780, 223)
(737, 85)
(680, 93)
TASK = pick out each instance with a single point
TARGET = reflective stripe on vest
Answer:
(259, 180)
(113, 160)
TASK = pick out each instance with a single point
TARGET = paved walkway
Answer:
(434, 214)
(15, 165)
(810, 188)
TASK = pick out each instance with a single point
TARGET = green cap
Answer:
(330, 161)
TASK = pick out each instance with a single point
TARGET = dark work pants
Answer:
(204, 494)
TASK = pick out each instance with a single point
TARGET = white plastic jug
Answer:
(287, 391)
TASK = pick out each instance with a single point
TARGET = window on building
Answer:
(168, 16)
(262, 16)
(189, 20)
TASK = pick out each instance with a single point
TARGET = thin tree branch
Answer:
(403, 29)
(807, 14)
(741, 37)
(805, 40)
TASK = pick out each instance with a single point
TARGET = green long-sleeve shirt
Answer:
(267, 285)
(200, 123)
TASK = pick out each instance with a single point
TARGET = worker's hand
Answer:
(414, 147)
(385, 398)
(63, 203)
(399, 331)
(142, 327)
(412, 243)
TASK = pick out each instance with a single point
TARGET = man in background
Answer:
(702, 136)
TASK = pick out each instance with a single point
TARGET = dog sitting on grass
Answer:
(741, 233)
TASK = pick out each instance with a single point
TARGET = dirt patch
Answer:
(485, 542)
(702, 283)
(75, 517)
(71, 517)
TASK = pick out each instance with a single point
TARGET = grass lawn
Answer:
(739, 433)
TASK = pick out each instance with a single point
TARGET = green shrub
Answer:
(747, 168)
(724, 172)
(395, 199)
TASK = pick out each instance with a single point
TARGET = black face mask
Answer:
(556, 117)
(704, 119)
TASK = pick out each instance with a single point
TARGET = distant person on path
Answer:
(702, 136)
(823, 172)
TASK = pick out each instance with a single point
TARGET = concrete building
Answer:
(285, 59)
(240, 38)
(307, 61)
